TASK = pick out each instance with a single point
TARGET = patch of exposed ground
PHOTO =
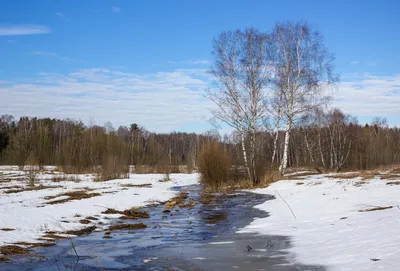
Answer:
(133, 213)
(63, 178)
(39, 187)
(127, 227)
(74, 195)
(299, 176)
(147, 185)
(393, 183)
(35, 244)
(215, 218)
(7, 229)
(177, 200)
(11, 250)
(377, 208)
(54, 236)
(83, 231)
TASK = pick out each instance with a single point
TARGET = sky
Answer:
(146, 62)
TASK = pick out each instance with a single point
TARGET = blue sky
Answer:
(146, 61)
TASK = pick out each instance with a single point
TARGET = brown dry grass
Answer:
(63, 178)
(54, 236)
(215, 218)
(133, 213)
(74, 195)
(179, 199)
(127, 227)
(11, 250)
(84, 231)
(299, 176)
(189, 205)
(377, 208)
(393, 183)
(147, 185)
(28, 244)
(39, 187)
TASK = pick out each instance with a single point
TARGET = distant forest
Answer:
(331, 140)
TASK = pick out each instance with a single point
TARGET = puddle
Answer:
(199, 238)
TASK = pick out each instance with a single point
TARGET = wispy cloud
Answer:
(354, 62)
(41, 53)
(11, 41)
(370, 96)
(59, 14)
(64, 58)
(191, 61)
(116, 9)
(161, 101)
(16, 30)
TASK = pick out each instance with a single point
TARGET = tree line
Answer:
(329, 140)
(70, 143)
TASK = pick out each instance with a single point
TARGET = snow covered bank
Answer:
(329, 228)
(27, 215)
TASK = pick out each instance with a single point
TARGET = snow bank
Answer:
(30, 216)
(329, 229)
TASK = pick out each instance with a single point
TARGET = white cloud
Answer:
(116, 9)
(41, 53)
(161, 101)
(354, 62)
(11, 41)
(370, 96)
(15, 30)
(59, 14)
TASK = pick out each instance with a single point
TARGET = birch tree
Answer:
(303, 70)
(241, 73)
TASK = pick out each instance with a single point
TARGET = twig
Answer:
(287, 205)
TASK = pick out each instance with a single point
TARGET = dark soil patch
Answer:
(83, 231)
(378, 208)
(85, 221)
(91, 218)
(107, 237)
(7, 229)
(74, 195)
(3, 259)
(299, 183)
(127, 227)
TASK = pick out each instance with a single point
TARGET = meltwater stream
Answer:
(201, 238)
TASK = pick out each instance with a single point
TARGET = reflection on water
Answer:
(200, 238)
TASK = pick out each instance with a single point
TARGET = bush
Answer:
(214, 166)
(113, 168)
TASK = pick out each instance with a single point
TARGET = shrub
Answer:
(214, 166)
(113, 168)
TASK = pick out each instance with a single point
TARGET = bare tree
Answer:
(342, 131)
(303, 69)
(241, 73)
